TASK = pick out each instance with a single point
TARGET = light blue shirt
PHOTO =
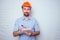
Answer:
(29, 23)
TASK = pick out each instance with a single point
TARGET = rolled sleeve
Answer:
(36, 26)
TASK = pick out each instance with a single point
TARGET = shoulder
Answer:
(33, 19)
(19, 19)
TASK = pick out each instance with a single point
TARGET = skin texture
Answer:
(26, 12)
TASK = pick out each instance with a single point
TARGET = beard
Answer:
(26, 14)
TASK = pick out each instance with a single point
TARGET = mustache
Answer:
(26, 12)
(26, 15)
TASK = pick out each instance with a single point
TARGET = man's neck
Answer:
(26, 17)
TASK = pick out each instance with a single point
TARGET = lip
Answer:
(26, 12)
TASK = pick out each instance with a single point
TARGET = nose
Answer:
(26, 10)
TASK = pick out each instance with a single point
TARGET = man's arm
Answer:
(35, 33)
(30, 33)
(16, 33)
(36, 29)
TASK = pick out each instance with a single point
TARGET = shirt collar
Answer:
(27, 18)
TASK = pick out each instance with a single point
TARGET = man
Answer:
(26, 27)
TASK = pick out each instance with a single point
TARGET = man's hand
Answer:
(17, 33)
(23, 28)
(28, 32)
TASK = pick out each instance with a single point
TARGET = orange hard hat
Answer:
(26, 4)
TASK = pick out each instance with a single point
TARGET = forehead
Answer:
(27, 7)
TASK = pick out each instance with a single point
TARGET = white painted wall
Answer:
(47, 13)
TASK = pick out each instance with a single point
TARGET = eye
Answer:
(24, 8)
(29, 9)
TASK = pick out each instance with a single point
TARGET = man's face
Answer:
(26, 11)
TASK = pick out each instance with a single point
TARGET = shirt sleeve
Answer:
(36, 26)
(16, 26)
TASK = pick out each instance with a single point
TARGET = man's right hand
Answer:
(28, 32)
(17, 33)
